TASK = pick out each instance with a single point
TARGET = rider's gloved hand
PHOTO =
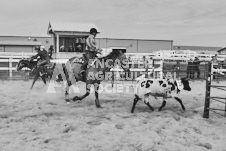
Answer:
(99, 51)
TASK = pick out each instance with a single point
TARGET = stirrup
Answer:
(42, 73)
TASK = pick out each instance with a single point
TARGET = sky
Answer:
(186, 22)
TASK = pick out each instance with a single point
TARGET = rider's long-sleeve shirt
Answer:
(42, 54)
(91, 43)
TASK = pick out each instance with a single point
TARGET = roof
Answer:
(20, 43)
(221, 49)
(21, 34)
(80, 27)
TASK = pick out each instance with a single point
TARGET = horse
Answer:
(72, 70)
(49, 68)
(28, 64)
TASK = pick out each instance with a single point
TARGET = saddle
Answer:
(82, 59)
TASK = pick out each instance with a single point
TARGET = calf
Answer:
(159, 88)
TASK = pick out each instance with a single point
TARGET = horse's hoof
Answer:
(67, 101)
(98, 106)
(76, 98)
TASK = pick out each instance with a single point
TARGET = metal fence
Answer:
(209, 98)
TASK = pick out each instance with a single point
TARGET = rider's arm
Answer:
(35, 56)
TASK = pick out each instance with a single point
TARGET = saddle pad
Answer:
(78, 60)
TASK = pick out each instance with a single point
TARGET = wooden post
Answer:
(153, 65)
(178, 69)
(54, 45)
(10, 68)
(225, 108)
(211, 71)
(146, 67)
(207, 97)
(161, 67)
(218, 72)
(153, 69)
(57, 44)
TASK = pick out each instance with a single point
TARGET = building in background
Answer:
(136, 45)
(198, 49)
(18, 46)
(70, 37)
(222, 51)
(23, 43)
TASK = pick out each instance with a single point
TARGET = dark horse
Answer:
(92, 72)
(49, 68)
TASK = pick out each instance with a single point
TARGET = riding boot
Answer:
(42, 73)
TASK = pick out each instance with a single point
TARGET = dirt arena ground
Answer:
(34, 120)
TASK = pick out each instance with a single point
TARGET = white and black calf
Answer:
(159, 88)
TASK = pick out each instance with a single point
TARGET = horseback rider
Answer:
(43, 59)
(91, 50)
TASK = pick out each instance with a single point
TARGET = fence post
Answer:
(225, 108)
(10, 68)
(211, 71)
(207, 97)
(161, 67)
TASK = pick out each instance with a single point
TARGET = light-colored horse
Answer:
(101, 66)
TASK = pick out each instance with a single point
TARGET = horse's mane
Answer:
(26, 60)
(23, 59)
(112, 55)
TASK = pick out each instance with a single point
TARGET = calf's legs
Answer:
(136, 99)
(179, 100)
(163, 105)
(150, 107)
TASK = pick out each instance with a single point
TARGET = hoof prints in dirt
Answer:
(119, 126)
(95, 122)
(47, 114)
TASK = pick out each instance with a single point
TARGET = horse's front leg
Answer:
(43, 79)
(69, 83)
(88, 86)
(96, 87)
(67, 93)
(35, 79)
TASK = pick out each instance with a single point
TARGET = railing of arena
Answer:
(159, 62)
(209, 98)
